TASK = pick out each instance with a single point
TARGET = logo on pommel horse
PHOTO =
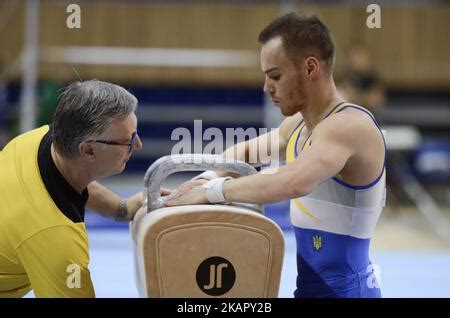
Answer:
(215, 276)
(317, 242)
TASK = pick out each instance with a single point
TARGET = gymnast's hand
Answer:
(188, 193)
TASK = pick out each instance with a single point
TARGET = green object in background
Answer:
(49, 92)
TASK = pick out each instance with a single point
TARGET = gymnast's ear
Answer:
(312, 65)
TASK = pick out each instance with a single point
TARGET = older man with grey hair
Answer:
(48, 177)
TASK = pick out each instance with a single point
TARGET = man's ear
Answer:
(311, 66)
(87, 151)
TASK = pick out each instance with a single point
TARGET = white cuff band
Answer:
(208, 175)
(214, 190)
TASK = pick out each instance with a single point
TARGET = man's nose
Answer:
(268, 87)
(138, 143)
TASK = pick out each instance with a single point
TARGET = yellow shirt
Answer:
(40, 247)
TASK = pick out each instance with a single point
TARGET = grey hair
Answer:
(85, 111)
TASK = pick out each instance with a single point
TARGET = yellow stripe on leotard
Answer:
(290, 154)
(292, 143)
(290, 157)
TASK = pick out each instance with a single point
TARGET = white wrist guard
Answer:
(208, 175)
(214, 190)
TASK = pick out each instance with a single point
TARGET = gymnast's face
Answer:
(283, 78)
(121, 139)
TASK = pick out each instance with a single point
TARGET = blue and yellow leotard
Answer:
(333, 226)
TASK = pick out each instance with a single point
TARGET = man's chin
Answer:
(285, 112)
(288, 112)
(120, 169)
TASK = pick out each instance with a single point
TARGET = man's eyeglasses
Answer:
(114, 143)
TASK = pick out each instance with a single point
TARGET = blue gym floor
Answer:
(403, 274)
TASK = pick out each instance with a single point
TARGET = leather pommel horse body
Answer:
(204, 250)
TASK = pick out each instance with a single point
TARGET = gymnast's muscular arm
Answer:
(349, 144)
(246, 150)
(341, 143)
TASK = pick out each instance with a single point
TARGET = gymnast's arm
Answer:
(334, 143)
(250, 151)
